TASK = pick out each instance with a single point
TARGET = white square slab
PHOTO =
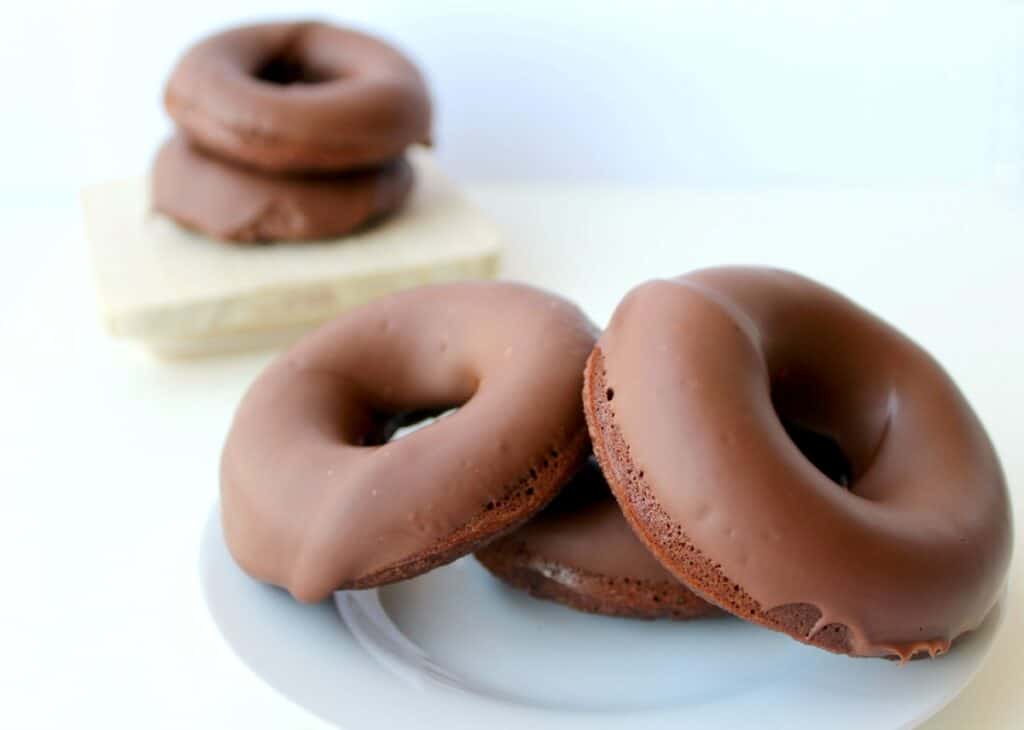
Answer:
(183, 294)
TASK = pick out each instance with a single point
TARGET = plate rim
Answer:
(493, 708)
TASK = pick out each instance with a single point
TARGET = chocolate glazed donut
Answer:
(315, 497)
(688, 394)
(234, 203)
(299, 97)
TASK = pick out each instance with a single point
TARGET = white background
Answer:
(720, 93)
(101, 623)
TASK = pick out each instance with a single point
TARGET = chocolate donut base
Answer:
(232, 203)
(532, 494)
(685, 559)
(509, 561)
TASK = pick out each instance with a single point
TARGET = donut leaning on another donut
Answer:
(687, 395)
(580, 552)
(298, 98)
(315, 495)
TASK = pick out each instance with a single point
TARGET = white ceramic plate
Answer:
(456, 649)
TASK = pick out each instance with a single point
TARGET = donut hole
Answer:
(823, 451)
(395, 426)
(287, 69)
(810, 408)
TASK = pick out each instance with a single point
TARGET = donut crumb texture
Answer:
(509, 560)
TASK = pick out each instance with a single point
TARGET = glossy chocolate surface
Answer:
(299, 97)
(314, 495)
(699, 373)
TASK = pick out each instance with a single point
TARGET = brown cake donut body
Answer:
(235, 203)
(685, 396)
(299, 97)
(316, 498)
(579, 551)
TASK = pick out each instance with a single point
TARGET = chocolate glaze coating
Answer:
(679, 398)
(316, 498)
(233, 203)
(580, 551)
(299, 97)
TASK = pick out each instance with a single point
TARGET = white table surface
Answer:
(108, 458)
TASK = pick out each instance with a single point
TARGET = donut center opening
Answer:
(823, 451)
(286, 70)
(811, 408)
(394, 426)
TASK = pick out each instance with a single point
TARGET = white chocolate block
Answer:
(183, 294)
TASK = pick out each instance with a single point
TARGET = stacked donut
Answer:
(289, 131)
(772, 450)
